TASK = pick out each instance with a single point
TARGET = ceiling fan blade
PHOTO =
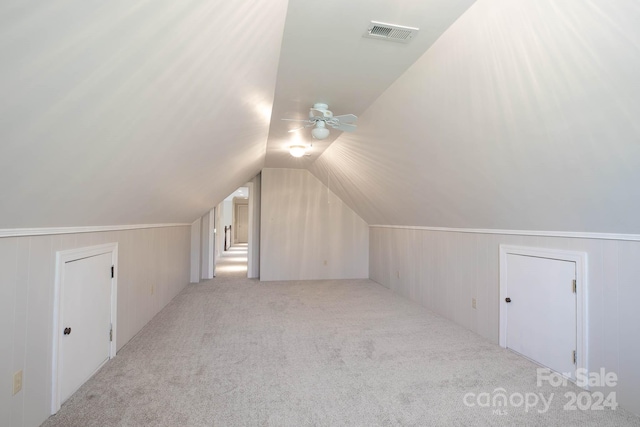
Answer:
(295, 120)
(346, 127)
(301, 127)
(346, 118)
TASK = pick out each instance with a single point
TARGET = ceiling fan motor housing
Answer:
(320, 111)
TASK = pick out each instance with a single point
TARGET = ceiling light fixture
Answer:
(320, 131)
(297, 150)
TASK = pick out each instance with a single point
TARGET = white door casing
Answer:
(85, 301)
(545, 320)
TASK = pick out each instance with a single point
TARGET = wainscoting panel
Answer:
(445, 270)
(153, 266)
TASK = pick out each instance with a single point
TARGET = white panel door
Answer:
(242, 223)
(541, 314)
(86, 321)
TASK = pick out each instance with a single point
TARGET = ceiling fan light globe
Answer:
(297, 150)
(320, 132)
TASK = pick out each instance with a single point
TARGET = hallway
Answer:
(233, 262)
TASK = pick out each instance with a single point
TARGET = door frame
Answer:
(580, 260)
(62, 257)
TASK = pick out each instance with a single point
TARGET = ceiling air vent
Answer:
(394, 33)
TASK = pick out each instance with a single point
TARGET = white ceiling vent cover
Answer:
(394, 33)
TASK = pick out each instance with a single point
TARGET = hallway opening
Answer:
(233, 261)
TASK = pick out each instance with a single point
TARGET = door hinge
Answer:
(111, 334)
(574, 286)
(575, 357)
(112, 271)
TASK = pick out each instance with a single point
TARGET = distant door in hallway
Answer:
(242, 223)
(541, 311)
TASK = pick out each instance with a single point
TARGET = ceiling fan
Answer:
(320, 117)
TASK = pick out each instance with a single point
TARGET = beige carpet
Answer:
(237, 352)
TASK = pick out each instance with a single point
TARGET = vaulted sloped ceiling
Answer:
(325, 58)
(523, 115)
(504, 114)
(132, 112)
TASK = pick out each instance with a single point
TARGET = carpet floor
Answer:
(237, 352)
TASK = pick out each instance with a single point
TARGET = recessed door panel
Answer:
(86, 321)
(541, 312)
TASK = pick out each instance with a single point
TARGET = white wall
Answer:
(227, 207)
(195, 250)
(523, 115)
(153, 267)
(225, 218)
(303, 225)
(206, 245)
(219, 230)
(444, 270)
(253, 255)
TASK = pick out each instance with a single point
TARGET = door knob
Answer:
(507, 299)
(67, 331)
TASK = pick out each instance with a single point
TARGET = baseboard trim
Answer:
(569, 234)
(23, 232)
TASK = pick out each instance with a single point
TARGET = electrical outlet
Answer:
(398, 273)
(17, 382)
(325, 262)
(473, 303)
